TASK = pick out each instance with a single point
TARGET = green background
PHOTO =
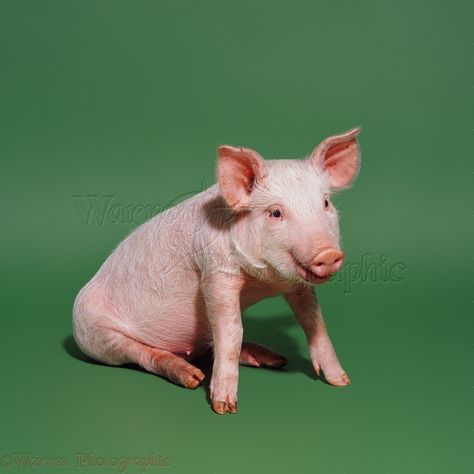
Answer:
(129, 99)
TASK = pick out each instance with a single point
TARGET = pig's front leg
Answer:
(323, 356)
(222, 295)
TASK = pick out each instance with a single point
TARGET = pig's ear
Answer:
(339, 155)
(238, 170)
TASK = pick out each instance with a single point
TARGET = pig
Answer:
(177, 286)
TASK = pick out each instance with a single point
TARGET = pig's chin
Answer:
(306, 274)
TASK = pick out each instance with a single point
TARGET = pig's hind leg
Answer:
(165, 363)
(256, 355)
(117, 349)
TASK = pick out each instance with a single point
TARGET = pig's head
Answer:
(284, 218)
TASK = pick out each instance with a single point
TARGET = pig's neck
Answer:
(247, 248)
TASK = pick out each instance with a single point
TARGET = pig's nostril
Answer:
(337, 264)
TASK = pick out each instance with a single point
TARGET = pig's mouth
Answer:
(307, 275)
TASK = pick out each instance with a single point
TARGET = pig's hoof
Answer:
(193, 379)
(222, 408)
(189, 376)
(339, 380)
(175, 369)
(255, 355)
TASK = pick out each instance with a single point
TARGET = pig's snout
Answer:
(327, 262)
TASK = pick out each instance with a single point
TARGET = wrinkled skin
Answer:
(179, 283)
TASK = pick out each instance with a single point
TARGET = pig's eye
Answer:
(276, 213)
(326, 204)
